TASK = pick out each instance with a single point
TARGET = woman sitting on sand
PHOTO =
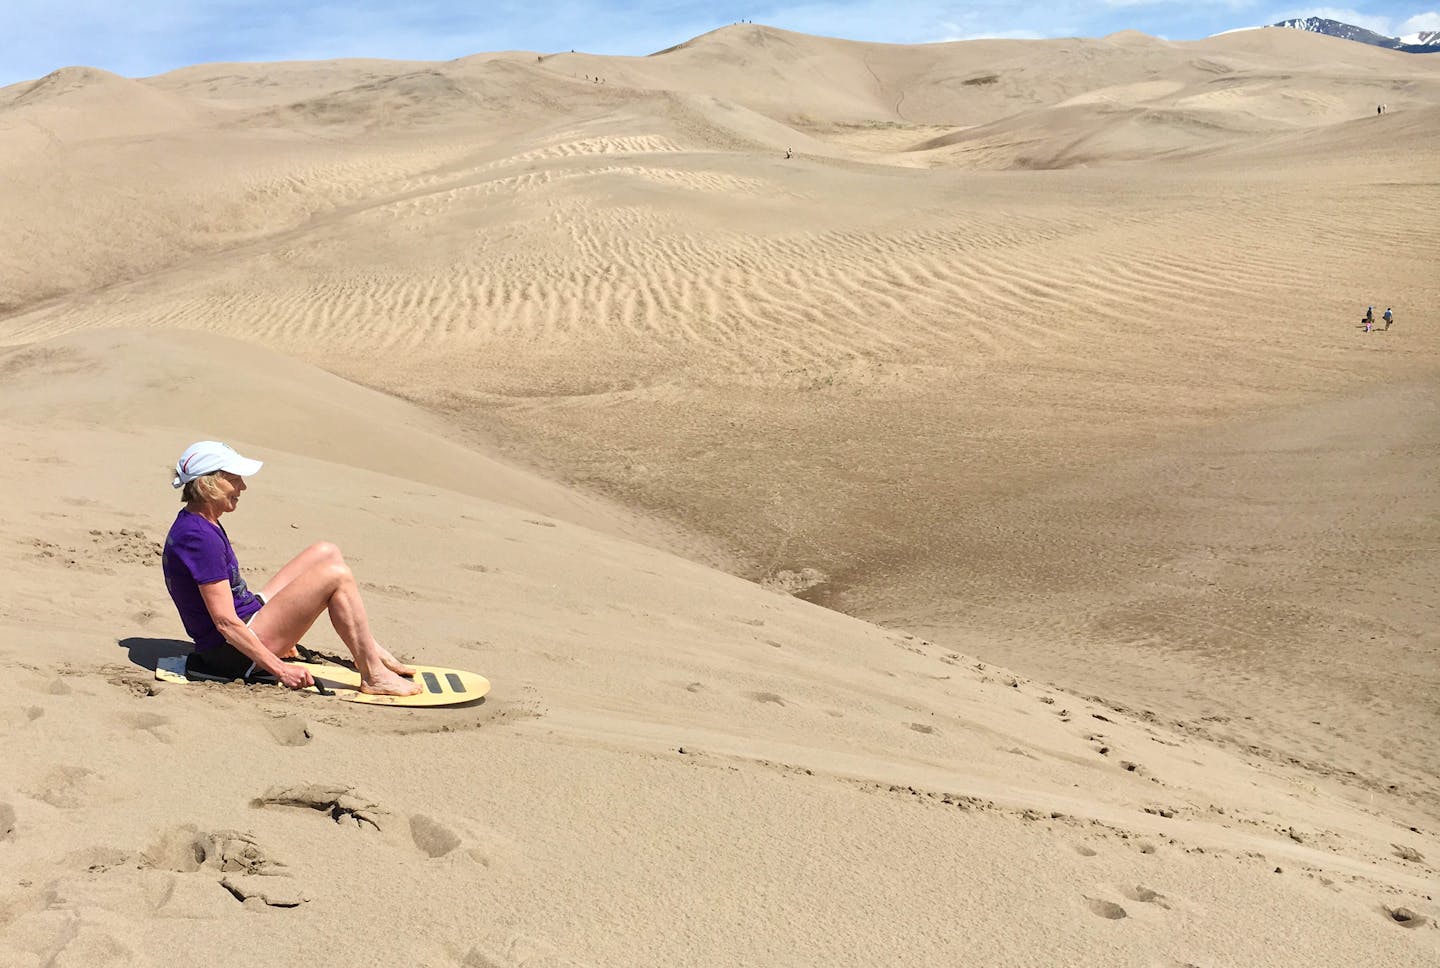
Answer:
(237, 631)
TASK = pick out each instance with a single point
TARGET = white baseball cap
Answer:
(209, 456)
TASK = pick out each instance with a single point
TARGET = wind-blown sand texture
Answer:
(1041, 355)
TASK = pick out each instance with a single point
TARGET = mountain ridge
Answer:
(1424, 42)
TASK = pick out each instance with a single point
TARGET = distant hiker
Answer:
(789, 152)
(1369, 318)
(238, 631)
(1389, 317)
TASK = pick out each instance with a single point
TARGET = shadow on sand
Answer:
(145, 653)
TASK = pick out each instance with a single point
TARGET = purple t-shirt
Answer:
(198, 552)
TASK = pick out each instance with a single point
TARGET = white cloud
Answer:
(1421, 21)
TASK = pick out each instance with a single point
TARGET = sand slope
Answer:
(733, 776)
(1042, 354)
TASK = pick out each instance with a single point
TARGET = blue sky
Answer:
(143, 37)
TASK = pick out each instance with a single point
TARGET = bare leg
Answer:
(320, 555)
(330, 587)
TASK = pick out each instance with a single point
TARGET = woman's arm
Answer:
(221, 606)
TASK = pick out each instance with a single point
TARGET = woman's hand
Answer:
(294, 676)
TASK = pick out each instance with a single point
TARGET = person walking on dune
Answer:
(1389, 317)
(1369, 318)
(238, 631)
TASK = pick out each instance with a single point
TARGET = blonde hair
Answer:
(203, 489)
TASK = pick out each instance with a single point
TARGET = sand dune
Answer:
(87, 104)
(1042, 355)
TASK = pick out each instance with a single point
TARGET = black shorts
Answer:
(224, 661)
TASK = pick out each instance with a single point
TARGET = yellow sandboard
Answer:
(438, 686)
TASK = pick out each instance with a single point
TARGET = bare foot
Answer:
(394, 664)
(387, 683)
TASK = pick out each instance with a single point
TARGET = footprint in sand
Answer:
(1408, 853)
(433, 839)
(247, 872)
(766, 697)
(1406, 918)
(923, 728)
(288, 730)
(186, 849)
(1145, 896)
(151, 723)
(66, 787)
(139, 686)
(1105, 909)
(179, 849)
(392, 591)
(341, 804)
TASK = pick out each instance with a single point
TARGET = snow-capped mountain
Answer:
(1426, 42)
